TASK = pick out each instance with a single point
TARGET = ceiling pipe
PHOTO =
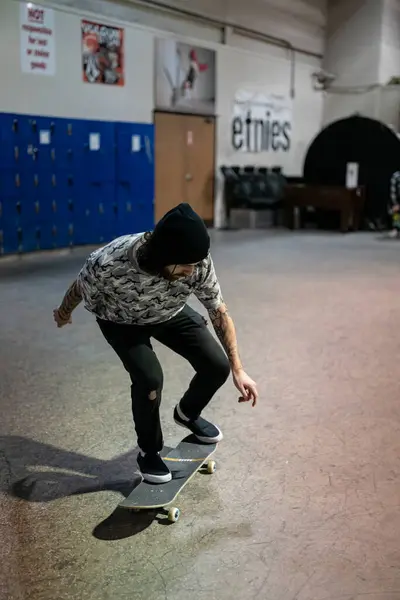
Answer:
(236, 29)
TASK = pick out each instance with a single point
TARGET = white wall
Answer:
(65, 94)
(368, 31)
(243, 64)
(354, 41)
(390, 43)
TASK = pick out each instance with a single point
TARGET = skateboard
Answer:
(184, 461)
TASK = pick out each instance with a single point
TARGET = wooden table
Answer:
(350, 203)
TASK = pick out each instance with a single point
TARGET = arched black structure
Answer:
(356, 139)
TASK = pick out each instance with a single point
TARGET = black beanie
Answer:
(179, 238)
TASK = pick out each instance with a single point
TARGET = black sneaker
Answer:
(204, 431)
(153, 468)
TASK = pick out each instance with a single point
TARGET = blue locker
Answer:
(30, 238)
(71, 181)
(100, 215)
(10, 211)
(10, 183)
(62, 235)
(69, 146)
(134, 216)
(9, 241)
(135, 152)
(10, 149)
(99, 160)
(9, 129)
(26, 129)
(68, 157)
(69, 133)
(135, 176)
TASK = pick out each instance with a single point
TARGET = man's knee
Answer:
(219, 368)
(149, 381)
(153, 383)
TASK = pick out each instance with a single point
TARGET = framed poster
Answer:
(184, 77)
(102, 54)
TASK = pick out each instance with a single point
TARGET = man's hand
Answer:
(61, 320)
(246, 386)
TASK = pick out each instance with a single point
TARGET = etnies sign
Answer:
(261, 123)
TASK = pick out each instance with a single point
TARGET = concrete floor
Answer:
(305, 503)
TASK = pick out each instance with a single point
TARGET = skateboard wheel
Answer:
(173, 514)
(211, 466)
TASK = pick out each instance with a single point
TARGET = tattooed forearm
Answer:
(72, 298)
(225, 330)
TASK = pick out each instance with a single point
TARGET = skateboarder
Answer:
(394, 209)
(137, 287)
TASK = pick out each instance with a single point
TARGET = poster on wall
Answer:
(37, 39)
(184, 77)
(261, 122)
(102, 54)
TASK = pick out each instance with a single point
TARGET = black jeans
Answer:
(187, 335)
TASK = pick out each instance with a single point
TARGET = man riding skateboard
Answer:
(137, 287)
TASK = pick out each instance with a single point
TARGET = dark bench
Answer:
(253, 190)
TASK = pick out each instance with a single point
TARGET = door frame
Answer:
(208, 222)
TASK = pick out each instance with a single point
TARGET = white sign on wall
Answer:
(261, 122)
(352, 176)
(37, 39)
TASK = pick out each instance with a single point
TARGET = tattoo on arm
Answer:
(72, 298)
(225, 330)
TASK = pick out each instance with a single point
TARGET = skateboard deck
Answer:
(184, 461)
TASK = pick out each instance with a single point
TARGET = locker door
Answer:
(103, 219)
(99, 157)
(8, 238)
(15, 128)
(144, 191)
(135, 176)
(10, 148)
(69, 140)
(10, 183)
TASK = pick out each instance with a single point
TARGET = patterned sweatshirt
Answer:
(114, 288)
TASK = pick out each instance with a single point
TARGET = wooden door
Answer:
(184, 163)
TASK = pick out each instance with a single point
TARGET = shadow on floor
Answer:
(37, 472)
